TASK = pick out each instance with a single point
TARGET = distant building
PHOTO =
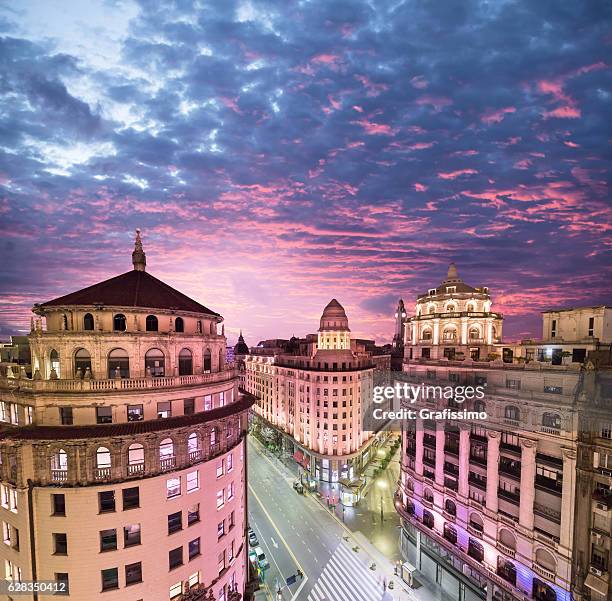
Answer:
(310, 392)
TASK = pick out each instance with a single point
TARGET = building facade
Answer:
(489, 506)
(123, 458)
(314, 400)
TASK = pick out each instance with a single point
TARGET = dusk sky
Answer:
(277, 154)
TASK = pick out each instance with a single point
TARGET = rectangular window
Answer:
(220, 529)
(208, 402)
(221, 399)
(135, 413)
(60, 543)
(513, 384)
(131, 535)
(221, 561)
(231, 521)
(176, 590)
(131, 498)
(106, 501)
(175, 522)
(29, 416)
(164, 409)
(591, 326)
(66, 416)
(108, 540)
(231, 552)
(194, 548)
(578, 355)
(230, 491)
(104, 415)
(189, 406)
(194, 579)
(220, 468)
(173, 487)
(58, 504)
(62, 579)
(133, 573)
(553, 328)
(220, 499)
(175, 558)
(193, 514)
(6, 533)
(230, 462)
(193, 481)
(553, 389)
(110, 579)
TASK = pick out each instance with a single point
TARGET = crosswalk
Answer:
(346, 578)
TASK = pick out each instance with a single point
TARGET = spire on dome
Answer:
(139, 259)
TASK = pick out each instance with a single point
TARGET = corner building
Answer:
(489, 508)
(313, 398)
(123, 458)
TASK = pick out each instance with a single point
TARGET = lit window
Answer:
(176, 590)
(220, 469)
(193, 481)
(173, 487)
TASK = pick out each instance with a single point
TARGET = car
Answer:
(261, 558)
(253, 541)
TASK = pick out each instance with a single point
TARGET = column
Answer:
(418, 462)
(464, 330)
(568, 498)
(464, 459)
(436, 331)
(489, 330)
(440, 453)
(528, 469)
(492, 469)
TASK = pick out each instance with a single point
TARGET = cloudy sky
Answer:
(277, 154)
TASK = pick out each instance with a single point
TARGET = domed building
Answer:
(313, 398)
(241, 347)
(123, 466)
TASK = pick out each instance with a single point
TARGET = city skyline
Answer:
(276, 159)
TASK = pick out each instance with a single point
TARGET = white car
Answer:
(261, 558)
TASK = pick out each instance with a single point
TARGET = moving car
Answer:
(261, 558)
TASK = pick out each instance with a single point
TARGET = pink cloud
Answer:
(438, 102)
(497, 116)
(420, 187)
(372, 128)
(564, 112)
(456, 174)
(419, 82)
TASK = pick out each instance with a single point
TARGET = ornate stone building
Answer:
(123, 458)
(313, 401)
(490, 508)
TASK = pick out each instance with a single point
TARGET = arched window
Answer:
(64, 322)
(185, 362)
(54, 363)
(118, 363)
(152, 325)
(507, 539)
(428, 518)
(82, 362)
(207, 362)
(136, 454)
(471, 308)
(428, 495)
(506, 569)
(193, 446)
(546, 559)
(119, 323)
(431, 309)
(449, 334)
(551, 420)
(450, 533)
(476, 522)
(103, 458)
(512, 413)
(88, 321)
(214, 436)
(179, 325)
(474, 333)
(155, 363)
(475, 550)
(59, 461)
(450, 507)
(221, 359)
(450, 308)
(426, 334)
(166, 448)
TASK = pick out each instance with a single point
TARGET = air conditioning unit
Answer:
(595, 571)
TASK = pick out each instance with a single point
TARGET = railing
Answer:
(430, 461)
(548, 430)
(474, 530)
(133, 469)
(59, 475)
(78, 385)
(102, 473)
(548, 574)
(547, 512)
(478, 460)
(508, 471)
(167, 463)
(477, 483)
(511, 422)
(507, 550)
(509, 496)
(451, 468)
(451, 449)
(195, 455)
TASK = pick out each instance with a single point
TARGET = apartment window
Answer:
(230, 491)
(175, 558)
(231, 521)
(135, 413)
(58, 504)
(173, 487)
(193, 514)
(131, 535)
(65, 416)
(62, 580)
(104, 415)
(164, 409)
(131, 498)
(193, 481)
(208, 402)
(194, 548)
(606, 431)
(220, 529)
(175, 522)
(29, 414)
(133, 573)
(108, 540)
(189, 406)
(230, 462)
(176, 590)
(220, 469)
(110, 579)
(221, 561)
(220, 499)
(513, 384)
(6, 533)
(591, 325)
(106, 501)
(231, 552)
(553, 328)
(578, 355)
(60, 543)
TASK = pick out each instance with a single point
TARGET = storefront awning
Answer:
(596, 584)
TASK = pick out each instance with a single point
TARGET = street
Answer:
(297, 531)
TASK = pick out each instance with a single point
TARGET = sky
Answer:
(277, 154)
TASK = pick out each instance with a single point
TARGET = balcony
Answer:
(477, 482)
(135, 469)
(507, 550)
(430, 461)
(195, 455)
(512, 497)
(548, 430)
(548, 485)
(452, 449)
(102, 473)
(167, 463)
(603, 500)
(475, 529)
(451, 468)
(548, 574)
(59, 475)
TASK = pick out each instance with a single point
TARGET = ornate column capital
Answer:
(527, 443)
(569, 454)
(494, 434)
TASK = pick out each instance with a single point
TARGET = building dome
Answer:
(241, 347)
(334, 317)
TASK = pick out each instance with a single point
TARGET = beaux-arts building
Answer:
(314, 400)
(518, 506)
(123, 458)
